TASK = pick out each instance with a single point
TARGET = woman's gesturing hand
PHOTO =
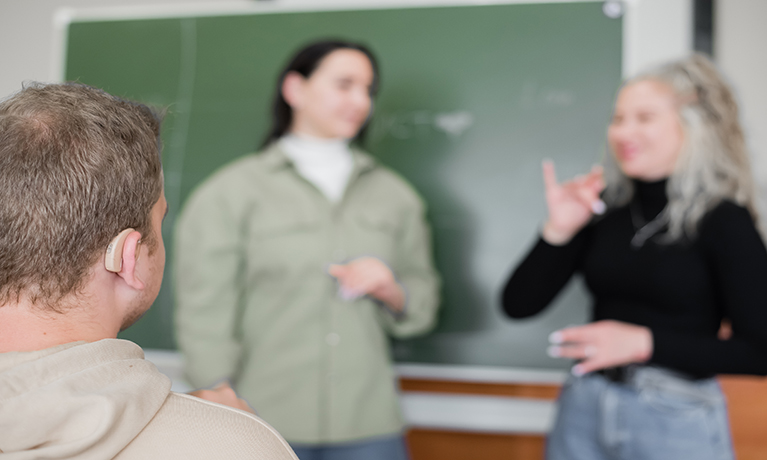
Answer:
(571, 204)
(602, 344)
(369, 276)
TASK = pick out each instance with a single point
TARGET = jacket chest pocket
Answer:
(276, 243)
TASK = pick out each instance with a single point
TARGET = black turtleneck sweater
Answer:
(680, 291)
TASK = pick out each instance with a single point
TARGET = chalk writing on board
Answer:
(454, 123)
(534, 95)
(421, 123)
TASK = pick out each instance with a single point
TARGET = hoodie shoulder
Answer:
(187, 427)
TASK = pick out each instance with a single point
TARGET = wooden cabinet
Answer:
(746, 397)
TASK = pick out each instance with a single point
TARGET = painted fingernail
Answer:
(554, 352)
(577, 370)
(598, 207)
(556, 337)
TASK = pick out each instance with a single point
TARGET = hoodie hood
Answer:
(83, 400)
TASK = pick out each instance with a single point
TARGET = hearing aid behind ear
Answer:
(114, 257)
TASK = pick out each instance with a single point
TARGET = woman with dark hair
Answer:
(294, 263)
(666, 239)
(304, 63)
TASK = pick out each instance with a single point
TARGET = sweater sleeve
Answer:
(738, 259)
(541, 275)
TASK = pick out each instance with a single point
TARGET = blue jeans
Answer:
(655, 415)
(383, 448)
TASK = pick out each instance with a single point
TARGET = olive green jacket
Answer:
(255, 303)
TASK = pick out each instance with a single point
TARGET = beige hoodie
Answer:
(102, 400)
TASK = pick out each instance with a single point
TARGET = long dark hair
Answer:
(305, 62)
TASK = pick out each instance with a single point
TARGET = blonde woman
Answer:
(666, 239)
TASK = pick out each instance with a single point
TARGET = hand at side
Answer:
(602, 344)
(223, 394)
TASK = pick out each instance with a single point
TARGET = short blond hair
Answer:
(77, 166)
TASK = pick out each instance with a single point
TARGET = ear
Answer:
(292, 89)
(129, 261)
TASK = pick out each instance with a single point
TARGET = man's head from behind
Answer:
(77, 167)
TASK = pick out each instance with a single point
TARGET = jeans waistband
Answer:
(643, 378)
(631, 372)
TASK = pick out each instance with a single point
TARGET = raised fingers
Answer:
(595, 179)
(549, 175)
(586, 190)
(597, 172)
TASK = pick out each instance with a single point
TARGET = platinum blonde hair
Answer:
(713, 164)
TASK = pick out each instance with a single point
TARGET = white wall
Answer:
(658, 31)
(740, 47)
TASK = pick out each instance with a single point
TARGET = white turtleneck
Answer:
(326, 163)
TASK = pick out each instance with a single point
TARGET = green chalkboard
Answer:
(472, 98)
